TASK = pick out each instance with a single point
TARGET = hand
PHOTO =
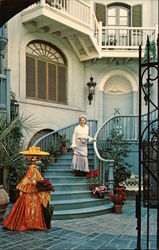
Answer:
(73, 149)
(94, 140)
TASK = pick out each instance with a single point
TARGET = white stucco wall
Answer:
(54, 116)
(48, 115)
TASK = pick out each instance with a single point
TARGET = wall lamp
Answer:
(91, 88)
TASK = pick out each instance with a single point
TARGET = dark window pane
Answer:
(52, 82)
(61, 85)
(30, 77)
(41, 80)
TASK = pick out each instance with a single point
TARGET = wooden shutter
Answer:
(100, 13)
(41, 79)
(137, 16)
(61, 85)
(30, 77)
(52, 82)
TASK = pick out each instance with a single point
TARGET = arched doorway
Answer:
(38, 135)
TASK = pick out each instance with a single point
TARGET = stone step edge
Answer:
(84, 210)
(71, 184)
(71, 192)
(75, 201)
(67, 177)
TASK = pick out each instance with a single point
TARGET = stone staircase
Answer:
(72, 197)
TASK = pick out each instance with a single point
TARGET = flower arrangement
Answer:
(119, 197)
(99, 191)
(93, 176)
(44, 185)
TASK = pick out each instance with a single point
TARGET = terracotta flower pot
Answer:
(118, 208)
(64, 149)
(4, 201)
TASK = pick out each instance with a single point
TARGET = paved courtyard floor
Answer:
(109, 231)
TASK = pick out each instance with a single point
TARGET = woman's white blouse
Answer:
(80, 132)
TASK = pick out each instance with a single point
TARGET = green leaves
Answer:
(117, 148)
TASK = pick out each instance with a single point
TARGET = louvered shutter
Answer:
(30, 77)
(61, 85)
(52, 82)
(100, 13)
(137, 16)
(41, 79)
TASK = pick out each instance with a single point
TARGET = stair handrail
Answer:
(54, 136)
(106, 163)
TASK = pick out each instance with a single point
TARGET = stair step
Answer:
(82, 212)
(78, 203)
(72, 197)
(71, 187)
(69, 179)
(69, 195)
(56, 172)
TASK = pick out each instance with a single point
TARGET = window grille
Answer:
(45, 73)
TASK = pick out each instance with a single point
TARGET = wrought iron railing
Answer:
(128, 126)
(54, 137)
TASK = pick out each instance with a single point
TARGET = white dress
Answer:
(79, 141)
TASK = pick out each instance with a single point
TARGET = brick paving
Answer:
(109, 231)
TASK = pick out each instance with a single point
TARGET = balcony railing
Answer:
(126, 37)
(118, 38)
(53, 137)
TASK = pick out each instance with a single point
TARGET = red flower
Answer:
(96, 172)
(124, 197)
(44, 185)
(119, 197)
(112, 196)
(92, 187)
(93, 176)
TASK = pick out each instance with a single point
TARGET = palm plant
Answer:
(11, 142)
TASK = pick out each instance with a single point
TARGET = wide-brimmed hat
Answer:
(33, 151)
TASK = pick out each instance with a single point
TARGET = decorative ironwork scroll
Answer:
(148, 140)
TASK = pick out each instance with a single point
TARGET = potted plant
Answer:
(118, 198)
(93, 177)
(54, 151)
(116, 148)
(64, 143)
(98, 190)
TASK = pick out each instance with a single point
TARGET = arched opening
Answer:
(38, 135)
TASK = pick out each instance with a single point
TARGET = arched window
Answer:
(45, 73)
(118, 15)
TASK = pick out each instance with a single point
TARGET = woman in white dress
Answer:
(79, 146)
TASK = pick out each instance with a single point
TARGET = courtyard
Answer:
(109, 231)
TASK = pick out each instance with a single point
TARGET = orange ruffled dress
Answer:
(27, 211)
